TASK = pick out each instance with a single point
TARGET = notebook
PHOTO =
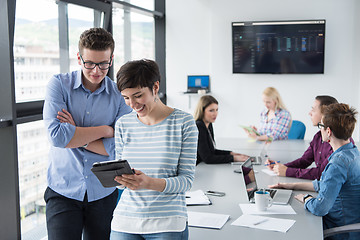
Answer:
(280, 196)
(198, 82)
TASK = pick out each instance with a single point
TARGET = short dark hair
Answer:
(139, 73)
(325, 100)
(96, 39)
(340, 118)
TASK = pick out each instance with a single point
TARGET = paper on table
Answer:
(197, 198)
(269, 172)
(207, 220)
(265, 223)
(274, 209)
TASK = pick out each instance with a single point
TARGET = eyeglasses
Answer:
(92, 65)
(320, 125)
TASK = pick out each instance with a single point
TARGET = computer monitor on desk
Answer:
(198, 82)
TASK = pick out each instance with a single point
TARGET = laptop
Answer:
(198, 82)
(258, 160)
(279, 196)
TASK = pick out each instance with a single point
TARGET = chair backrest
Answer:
(297, 130)
(343, 229)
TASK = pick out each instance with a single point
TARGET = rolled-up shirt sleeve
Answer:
(109, 145)
(316, 185)
(59, 134)
(328, 187)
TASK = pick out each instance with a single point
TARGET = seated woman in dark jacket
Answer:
(205, 114)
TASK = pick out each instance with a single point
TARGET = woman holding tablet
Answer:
(338, 189)
(275, 120)
(159, 142)
(205, 115)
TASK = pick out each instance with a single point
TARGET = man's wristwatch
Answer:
(306, 197)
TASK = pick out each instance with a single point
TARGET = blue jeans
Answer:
(184, 235)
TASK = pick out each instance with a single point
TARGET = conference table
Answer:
(221, 177)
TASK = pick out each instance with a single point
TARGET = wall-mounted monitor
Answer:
(278, 46)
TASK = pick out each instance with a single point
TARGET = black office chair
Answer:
(343, 229)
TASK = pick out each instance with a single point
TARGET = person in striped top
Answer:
(160, 143)
(275, 120)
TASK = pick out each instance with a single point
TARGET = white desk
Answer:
(220, 177)
(251, 145)
(284, 151)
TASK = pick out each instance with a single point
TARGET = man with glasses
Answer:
(318, 151)
(80, 111)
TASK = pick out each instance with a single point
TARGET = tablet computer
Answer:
(108, 170)
(250, 129)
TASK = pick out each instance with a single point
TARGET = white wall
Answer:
(198, 38)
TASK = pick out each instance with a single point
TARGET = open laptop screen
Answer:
(199, 82)
(249, 178)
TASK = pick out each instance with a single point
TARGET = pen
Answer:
(261, 221)
(272, 163)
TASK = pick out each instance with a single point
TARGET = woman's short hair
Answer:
(96, 39)
(340, 118)
(203, 103)
(139, 73)
(272, 93)
(325, 100)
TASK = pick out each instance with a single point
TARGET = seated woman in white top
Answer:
(275, 120)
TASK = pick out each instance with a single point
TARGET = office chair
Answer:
(297, 130)
(343, 229)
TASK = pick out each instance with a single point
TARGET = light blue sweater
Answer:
(165, 150)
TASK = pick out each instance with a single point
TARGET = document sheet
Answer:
(264, 223)
(197, 198)
(269, 172)
(274, 209)
(207, 220)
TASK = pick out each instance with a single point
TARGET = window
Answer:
(33, 153)
(142, 37)
(34, 54)
(80, 19)
(118, 35)
(134, 36)
(149, 4)
(37, 57)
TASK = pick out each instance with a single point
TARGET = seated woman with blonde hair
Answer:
(205, 115)
(275, 119)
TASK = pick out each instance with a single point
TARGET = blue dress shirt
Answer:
(339, 191)
(69, 171)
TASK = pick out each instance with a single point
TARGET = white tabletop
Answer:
(220, 177)
(248, 144)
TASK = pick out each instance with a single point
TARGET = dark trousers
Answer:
(69, 219)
